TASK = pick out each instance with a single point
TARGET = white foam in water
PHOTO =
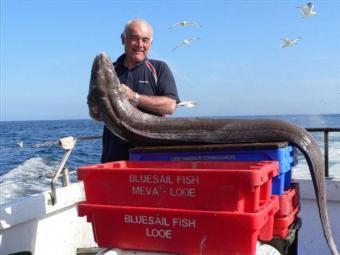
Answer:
(301, 170)
(45, 144)
(334, 159)
(33, 176)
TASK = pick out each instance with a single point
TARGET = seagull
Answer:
(307, 10)
(20, 144)
(188, 104)
(186, 42)
(185, 24)
(289, 42)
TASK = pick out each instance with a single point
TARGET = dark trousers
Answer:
(114, 148)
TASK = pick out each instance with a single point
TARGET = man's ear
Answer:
(122, 38)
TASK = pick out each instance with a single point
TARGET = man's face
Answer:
(137, 42)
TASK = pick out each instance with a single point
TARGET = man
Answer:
(149, 84)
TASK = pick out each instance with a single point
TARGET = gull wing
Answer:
(286, 40)
(193, 23)
(179, 45)
(186, 42)
(307, 10)
(188, 104)
(176, 24)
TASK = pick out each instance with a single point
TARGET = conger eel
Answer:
(107, 99)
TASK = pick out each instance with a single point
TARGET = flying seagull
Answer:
(188, 104)
(185, 23)
(289, 42)
(186, 42)
(307, 10)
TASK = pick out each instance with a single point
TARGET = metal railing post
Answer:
(67, 143)
(325, 140)
(325, 132)
(60, 170)
(65, 178)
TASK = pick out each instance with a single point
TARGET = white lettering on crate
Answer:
(176, 190)
(187, 180)
(186, 158)
(183, 192)
(144, 191)
(203, 157)
(184, 223)
(150, 178)
(156, 227)
(219, 157)
(146, 220)
(158, 233)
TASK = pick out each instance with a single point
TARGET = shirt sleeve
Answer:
(166, 85)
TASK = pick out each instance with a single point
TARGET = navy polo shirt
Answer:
(142, 80)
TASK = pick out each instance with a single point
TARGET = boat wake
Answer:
(31, 177)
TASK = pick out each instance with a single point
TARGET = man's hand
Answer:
(93, 109)
(130, 94)
(94, 113)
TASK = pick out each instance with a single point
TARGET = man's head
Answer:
(137, 39)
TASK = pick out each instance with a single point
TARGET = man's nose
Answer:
(140, 41)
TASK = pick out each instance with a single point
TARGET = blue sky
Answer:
(236, 68)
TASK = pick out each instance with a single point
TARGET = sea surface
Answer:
(30, 153)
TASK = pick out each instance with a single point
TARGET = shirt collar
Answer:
(120, 61)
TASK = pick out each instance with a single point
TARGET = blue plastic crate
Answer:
(281, 152)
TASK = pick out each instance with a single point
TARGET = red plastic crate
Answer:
(176, 230)
(288, 201)
(267, 232)
(282, 224)
(232, 186)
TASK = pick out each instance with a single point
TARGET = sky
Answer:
(236, 68)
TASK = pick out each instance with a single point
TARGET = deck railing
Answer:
(325, 132)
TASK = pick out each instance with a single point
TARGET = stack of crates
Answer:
(288, 210)
(285, 224)
(182, 207)
(286, 221)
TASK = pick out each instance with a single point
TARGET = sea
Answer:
(30, 153)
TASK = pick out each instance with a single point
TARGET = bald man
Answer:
(149, 83)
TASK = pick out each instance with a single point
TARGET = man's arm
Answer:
(157, 104)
